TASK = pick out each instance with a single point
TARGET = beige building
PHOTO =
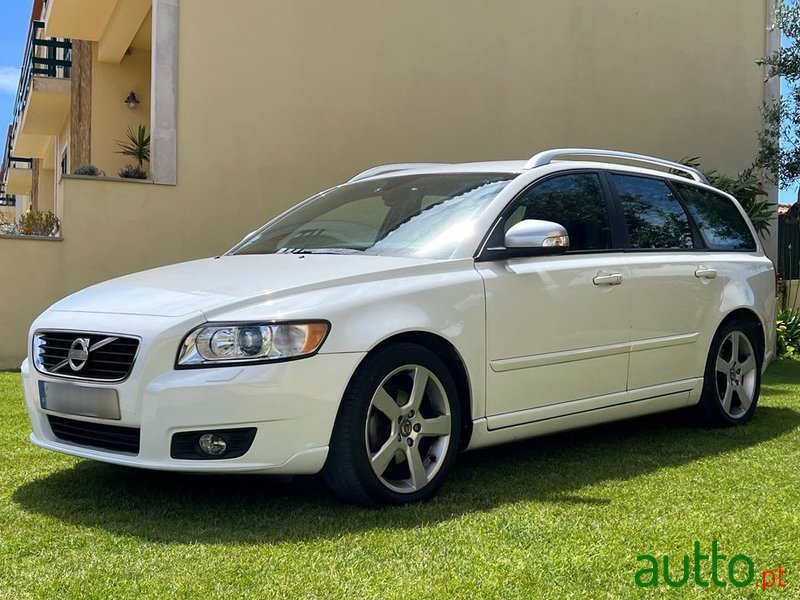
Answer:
(253, 105)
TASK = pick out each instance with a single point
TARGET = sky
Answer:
(14, 17)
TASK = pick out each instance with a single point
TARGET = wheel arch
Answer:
(748, 315)
(452, 359)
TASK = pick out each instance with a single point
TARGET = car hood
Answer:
(229, 282)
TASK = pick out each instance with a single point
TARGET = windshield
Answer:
(422, 216)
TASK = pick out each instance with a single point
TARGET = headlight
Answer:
(250, 342)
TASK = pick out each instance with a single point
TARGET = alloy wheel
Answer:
(735, 374)
(408, 429)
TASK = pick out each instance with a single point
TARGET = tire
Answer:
(397, 432)
(732, 380)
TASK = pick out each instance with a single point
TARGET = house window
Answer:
(64, 162)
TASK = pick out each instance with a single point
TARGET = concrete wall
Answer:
(62, 144)
(317, 91)
(47, 197)
(27, 285)
(325, 89)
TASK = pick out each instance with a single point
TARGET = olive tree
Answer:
(779, 142)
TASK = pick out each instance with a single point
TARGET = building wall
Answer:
(325, 89)
(62, 145)
(316, 92)
(47, 182)
(27, 288)
(110, 117)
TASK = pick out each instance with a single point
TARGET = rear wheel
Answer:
(396, 435)
(732, 377)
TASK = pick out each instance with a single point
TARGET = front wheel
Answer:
(397, 432)
(732, 377)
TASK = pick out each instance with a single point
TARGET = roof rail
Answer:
(546, 157)
(384, 169)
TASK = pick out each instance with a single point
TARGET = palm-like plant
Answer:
(136, 145)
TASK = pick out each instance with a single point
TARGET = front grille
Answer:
(109, 357)
(96, 435)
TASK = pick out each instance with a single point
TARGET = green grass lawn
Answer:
(557, 517)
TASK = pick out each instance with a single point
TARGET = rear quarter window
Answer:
(721, 224)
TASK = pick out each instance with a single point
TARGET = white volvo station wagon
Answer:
(380, 327)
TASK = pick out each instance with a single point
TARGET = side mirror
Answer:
(532, 237)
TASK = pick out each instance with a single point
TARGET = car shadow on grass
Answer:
(250, 509)
(169, 507)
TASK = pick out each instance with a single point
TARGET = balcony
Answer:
(43, 96)
(113, 24)
(19, 176)
(16, 174)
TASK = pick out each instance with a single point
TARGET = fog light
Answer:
(213, 444)
(223, 444)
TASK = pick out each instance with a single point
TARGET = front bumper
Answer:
(292, 405)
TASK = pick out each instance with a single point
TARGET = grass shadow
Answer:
(169, 507)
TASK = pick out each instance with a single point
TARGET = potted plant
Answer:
(87, 170)
(137, 146)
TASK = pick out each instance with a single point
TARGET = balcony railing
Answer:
(11, 162)
(44, 56)
(14, 162)
(4, 165)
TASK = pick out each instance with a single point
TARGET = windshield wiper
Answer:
(324, 251)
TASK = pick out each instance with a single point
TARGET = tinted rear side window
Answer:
(720, 222)
(654, 216)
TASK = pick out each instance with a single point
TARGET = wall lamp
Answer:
(131, 101)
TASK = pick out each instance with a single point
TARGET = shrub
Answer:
(788, 332)
(89, 170)
(36, 222)
(132, 172)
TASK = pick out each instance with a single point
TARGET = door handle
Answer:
(706, 272)
(607, 279)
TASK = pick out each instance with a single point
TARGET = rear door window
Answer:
(653, 215)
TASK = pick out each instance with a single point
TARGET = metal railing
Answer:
(15, 162)
(4, 165)
(11, 162)
(44, 56)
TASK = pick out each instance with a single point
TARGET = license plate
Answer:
(71, 399)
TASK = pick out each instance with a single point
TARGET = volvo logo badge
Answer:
(78, 354)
